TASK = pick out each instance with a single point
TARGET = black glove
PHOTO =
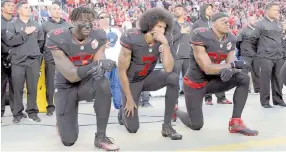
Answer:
(226, 74)
(240, 64)
(97, 72)
(107, 64)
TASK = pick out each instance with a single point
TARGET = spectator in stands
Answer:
(112, 52)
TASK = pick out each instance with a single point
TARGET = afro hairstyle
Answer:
(152, 16)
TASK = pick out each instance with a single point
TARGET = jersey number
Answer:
(148, 60)
(217, 57)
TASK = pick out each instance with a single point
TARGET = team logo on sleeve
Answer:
(228, 46)
(94, 44)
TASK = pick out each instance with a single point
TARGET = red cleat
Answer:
(236, 125)
(174, 117)
(209, 102)
(224, 102)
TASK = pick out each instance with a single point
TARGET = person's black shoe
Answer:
(267, 106)
(50, 112)
(119, 117)
(280, 104)
(182, 92)
(16, 119)
(168, 131)
(35, 118)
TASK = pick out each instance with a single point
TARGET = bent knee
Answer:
(173, 79)
(104, 85)
(132, 131)
(67, 144)
(196, 127)
(242, 79)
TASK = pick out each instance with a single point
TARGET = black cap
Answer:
(218, 16)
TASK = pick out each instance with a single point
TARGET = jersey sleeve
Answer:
(197, 38)
(53, 40)
(233, 40)
(125, 39)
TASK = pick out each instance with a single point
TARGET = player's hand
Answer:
(240, 64)
(30, 29)
(108, 64)
(160, 37)
(226, 74)
(129, 107)
(97, 72)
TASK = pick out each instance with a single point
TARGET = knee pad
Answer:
(197, 127)
(243, 79)
(131, 131)
(67, 144)
(173, 79)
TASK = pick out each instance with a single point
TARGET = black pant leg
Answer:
(4, 80)
(266, 73)
(50, 73)
(32, 77)
(276, 83)
(18, 81)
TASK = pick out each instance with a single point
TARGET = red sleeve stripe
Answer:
(124, 45)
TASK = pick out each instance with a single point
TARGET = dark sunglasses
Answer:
(103, 17)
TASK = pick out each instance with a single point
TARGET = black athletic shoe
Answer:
(49, 113)
(106, 143)
(17, 119)
(35, 118)
(168, 131)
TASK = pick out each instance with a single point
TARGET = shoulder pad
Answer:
(58, 35)
(130, 38)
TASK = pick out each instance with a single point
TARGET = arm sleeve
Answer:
(51, 43)
(101, 38)
(197, 39)
(41, 39)
(125, 40)
(13, 38)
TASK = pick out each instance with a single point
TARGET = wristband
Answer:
(82, 70)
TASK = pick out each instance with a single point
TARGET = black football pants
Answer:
(255, 71)
(50, 73)
(66, 103)
(194, 99)
(6, 78)
(270, 72)
(29, 73)
(283, 73)
(181, 65)
(154, 81)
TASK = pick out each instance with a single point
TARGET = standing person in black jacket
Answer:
(7, 9)
(247, 48)
(26, 38)
(269, 50)
(54, 22)
(205, 21)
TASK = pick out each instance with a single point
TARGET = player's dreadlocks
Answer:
(152, 16)
(77, 12)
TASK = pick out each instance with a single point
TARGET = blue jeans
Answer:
(115, 87)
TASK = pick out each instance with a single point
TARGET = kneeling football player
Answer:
(206, 75)
(78, 52)
(141, 49)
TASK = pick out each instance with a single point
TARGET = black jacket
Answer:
(202, 21)
(181, 42)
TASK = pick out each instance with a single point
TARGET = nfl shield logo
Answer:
(94, 44)
(228, 46)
